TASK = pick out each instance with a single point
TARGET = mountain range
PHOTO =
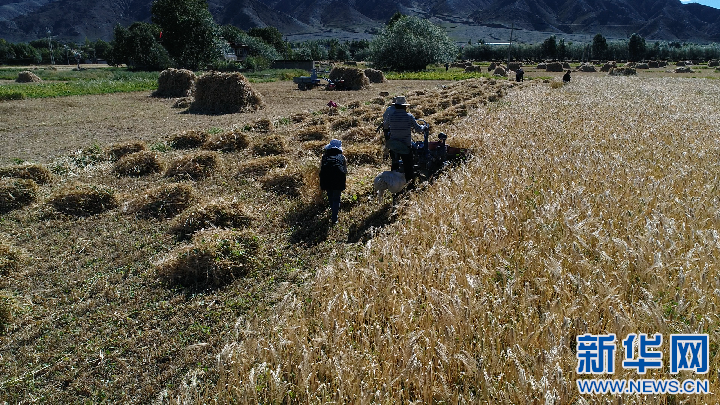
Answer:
(489, 20)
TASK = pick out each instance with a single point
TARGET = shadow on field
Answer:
(363, 231)
(310, 223)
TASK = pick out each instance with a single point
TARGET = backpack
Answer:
(333, 172)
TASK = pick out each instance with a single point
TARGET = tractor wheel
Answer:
(302, 86)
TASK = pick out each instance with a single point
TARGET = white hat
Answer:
(334, 144)
(400, 100)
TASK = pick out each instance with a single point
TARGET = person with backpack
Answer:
(333, 174)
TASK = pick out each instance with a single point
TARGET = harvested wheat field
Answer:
(588, 208)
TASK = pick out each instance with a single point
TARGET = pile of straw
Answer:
(37, 173)
(27, 76)
(175, 83)
(16, 193)
(375, 76)
(219, 93)
(84, 199)
(354, 78)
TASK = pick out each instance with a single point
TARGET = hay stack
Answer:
(84, 199)
(361, 134)
(215, 258)
(587, 68)
(37, 173)
(354, 78)
(653, 65)
(121, 149)
(175, 83)
(164, 201)
(514, 66)
(271, 145)
(473, 69)
(554, 67)
(683, 69)
(218, 93)
(642, 66)
(27, 76)
(195, 166)
(219, 213)
(714, 63)
(492, 67)
(363, 154)
(541, 66)
(608, 67)
(138, 164)
(313, 133)
(16, 193)
(500, 71)
(228, 141)
(566, 66)
(283, 183)
(188, 139)
(262, 166)
(623, 71)
(680, 63)
(375, 76)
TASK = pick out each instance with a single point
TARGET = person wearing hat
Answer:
(333, 173)
(399, 124)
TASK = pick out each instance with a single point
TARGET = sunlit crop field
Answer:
(590, 208)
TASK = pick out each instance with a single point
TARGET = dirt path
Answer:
(40, 130)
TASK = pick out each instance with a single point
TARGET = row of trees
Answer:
(48, 50)
(634, 49)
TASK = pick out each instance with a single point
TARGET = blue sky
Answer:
(711, 3)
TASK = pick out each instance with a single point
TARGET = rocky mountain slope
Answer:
(24, 20)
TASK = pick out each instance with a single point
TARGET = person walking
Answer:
(333, 174)
(400, 123)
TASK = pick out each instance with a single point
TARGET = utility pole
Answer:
(511, 38)
(52, 57)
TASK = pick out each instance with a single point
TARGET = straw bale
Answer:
(119, 150)
(354, 78)
(608, 66)
(313, 133)
(175, 83)
(215, 258)
(218, 213)
(587, 68)
(683, 69)
(35, 172)
(16, 193)
(271, 145)
(375, 76)
(491, 67)
(473, 68)
(188, 139)
(164, 201)
(283, 182)
(194, 166)
(363, 154)
(138, 164)
(360, 134)
(83, 199)
(680, 63)
(344, 123)
(653, 64)
(554, 67)
(642, 66)
(228, 141)
(514, 66)
(217, 92)
(263, 165)
(566, 66)
(27, 76)
(541, 66)
(713, 63)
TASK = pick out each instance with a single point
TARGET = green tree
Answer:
(271, 36)
(636, 48)
(411, 43)
(7, 54)
(257, 47)
(395, 18)
(189, 32)
(599, 47)
(138, 47)
(548, 49)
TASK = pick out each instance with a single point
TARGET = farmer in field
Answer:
(566, 77)
(519, 75)
(333, 173)
(398, 124)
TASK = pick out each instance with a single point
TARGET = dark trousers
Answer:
(408, 164)
(334, 199)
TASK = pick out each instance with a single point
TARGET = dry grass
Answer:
(118, 150)
(164, 201)
(283, 182)
(476, 295)
(175, 83)
(195, 166)
(361, 134)
(138, 164)
(81, 199)
(215, 258)
(355, 78)
(189, 139)
(313, 133)
(228, 141)
(16, 193)
(223, 93)
(261, 166)
(35, 172)
(344, 123)
(27, 76)
(12, 260)
(218, 213)
(363, 154)
(271, 145)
